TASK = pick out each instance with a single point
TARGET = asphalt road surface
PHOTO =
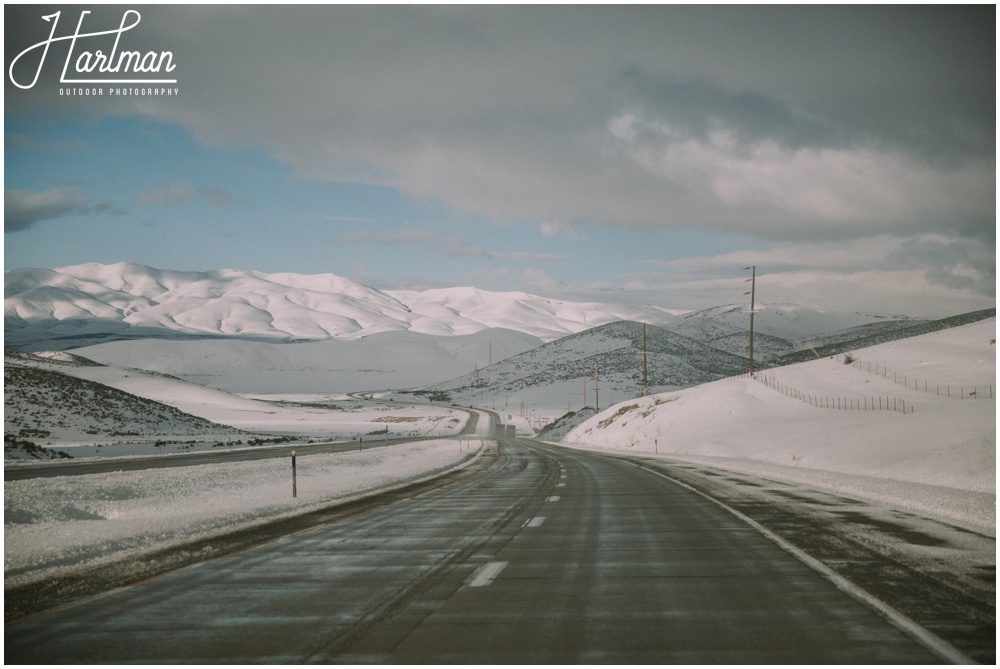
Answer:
(550, 556)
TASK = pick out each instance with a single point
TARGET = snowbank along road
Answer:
(549, 556)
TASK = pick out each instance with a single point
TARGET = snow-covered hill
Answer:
(606, 364)
(444, 310)
(784, 429)
(45, 402)
(788, 321)
(71, 306)
(69, 402)
(612, 352)
(781, 329)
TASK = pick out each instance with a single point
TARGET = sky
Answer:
(640, 154)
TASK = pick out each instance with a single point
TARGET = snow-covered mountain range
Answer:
(250, 332)
(89, 303)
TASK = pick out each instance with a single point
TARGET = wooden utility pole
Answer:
(752, 294)
(645, 389)
(597, 392)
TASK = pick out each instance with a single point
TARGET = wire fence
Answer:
(912, 383)
(869, 403)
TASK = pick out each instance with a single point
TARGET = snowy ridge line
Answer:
(964, 393)
(908, 626)
(866, 403)
(124, 300)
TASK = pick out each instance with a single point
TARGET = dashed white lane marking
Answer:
(485, 574)
(536, 521)
(560, 485)
(553, 498)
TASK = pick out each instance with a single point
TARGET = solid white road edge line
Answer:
(928, 639)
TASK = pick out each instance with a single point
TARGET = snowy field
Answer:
(383, 360)
(55, 526)
(938, 459)
(322, 416)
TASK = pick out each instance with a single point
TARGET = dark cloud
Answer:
(949, 262)
(695, 108)
(24, 208)
(775, 121)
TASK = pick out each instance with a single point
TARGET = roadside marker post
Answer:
(295, 492)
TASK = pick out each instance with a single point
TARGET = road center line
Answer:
(485, 574)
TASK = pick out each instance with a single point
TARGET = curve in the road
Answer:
(549, 556)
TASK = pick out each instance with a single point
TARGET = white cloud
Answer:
(851, 186)
(929, 274)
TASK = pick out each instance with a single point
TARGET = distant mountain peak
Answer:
(93, 302)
